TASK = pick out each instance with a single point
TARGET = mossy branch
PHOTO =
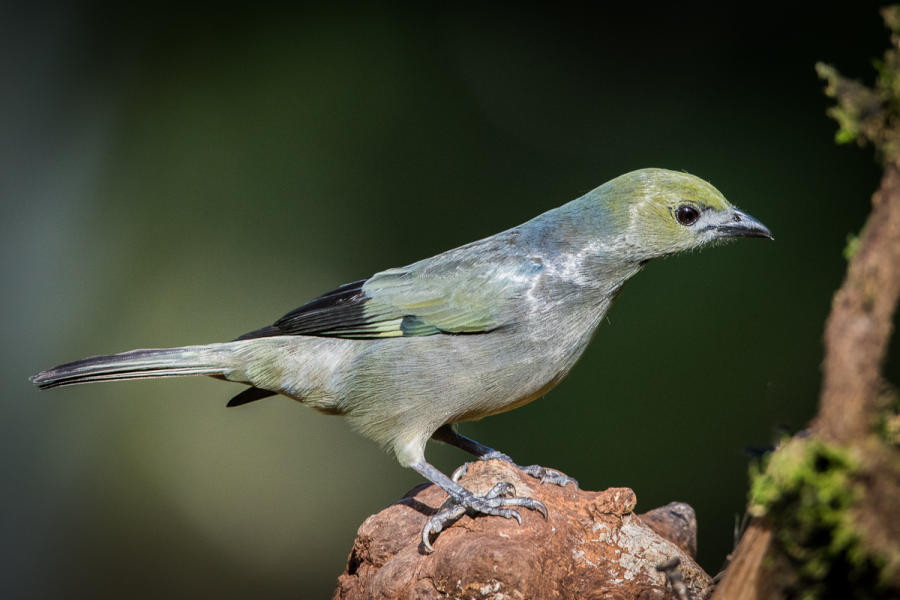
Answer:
(870, 115)
(826, 517)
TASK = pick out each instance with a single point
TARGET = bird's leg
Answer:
(499, 502)
(448, 435)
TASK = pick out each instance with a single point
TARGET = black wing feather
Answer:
(249, 395)
(341, 308)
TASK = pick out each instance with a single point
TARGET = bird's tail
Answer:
(212, 359)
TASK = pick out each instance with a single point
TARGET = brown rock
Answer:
(677, 523)
(592, 546)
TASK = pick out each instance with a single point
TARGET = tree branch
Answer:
(838, 487)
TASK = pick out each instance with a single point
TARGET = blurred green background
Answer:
(174, 175)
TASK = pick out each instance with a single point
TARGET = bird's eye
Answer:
(687, 214)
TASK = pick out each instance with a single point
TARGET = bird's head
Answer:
(656, 212)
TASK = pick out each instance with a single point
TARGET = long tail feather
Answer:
(138, 364)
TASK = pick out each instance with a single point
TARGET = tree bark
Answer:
(861, 321)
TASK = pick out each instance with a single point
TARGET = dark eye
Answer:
(687, 214)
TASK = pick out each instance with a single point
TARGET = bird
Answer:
(410, 352)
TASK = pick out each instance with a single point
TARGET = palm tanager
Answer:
(481, 329)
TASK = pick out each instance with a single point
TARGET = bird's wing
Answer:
(457, 292)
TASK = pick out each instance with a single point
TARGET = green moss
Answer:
(852, 246)
(887, 425)
(869, 114)
(807, 490)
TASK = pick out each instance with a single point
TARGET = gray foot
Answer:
(497, 502)
(550, 475)
(462, 469)
(545, 474)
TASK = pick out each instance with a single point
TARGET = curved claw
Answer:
(460, 472)
(449, 512)
(539, 506)
(497, 502)
(504, 488)
(510, 513)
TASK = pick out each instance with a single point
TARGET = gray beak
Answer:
(742, 225)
